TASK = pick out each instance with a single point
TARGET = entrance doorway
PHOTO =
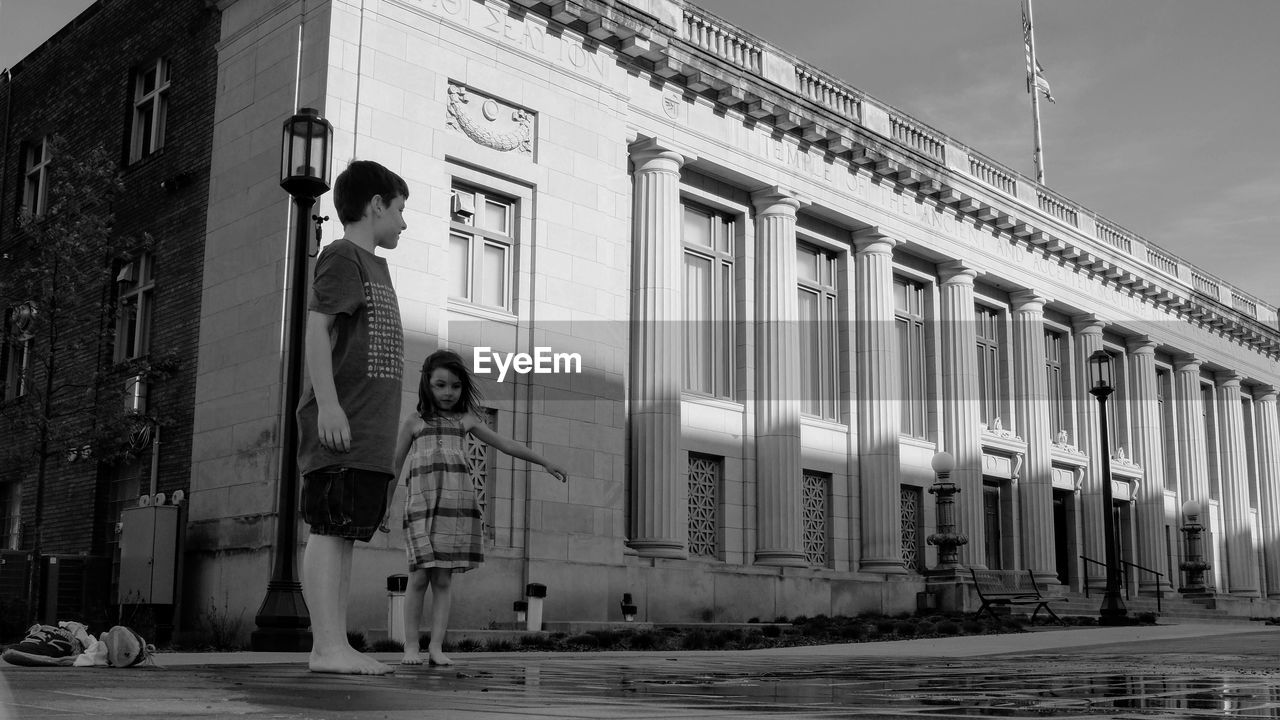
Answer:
(1062, 514)
(991, 526)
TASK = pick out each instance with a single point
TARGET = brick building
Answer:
(147, 101)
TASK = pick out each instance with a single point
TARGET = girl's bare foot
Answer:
(436, 657)
(411, 657)
(346, 661)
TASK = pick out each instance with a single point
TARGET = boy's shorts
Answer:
(344, 502)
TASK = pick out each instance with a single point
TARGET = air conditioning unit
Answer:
(135, 394)
(463, 205)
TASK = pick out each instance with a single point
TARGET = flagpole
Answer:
(1033, 90)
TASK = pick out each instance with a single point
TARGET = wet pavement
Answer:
(1189, 671)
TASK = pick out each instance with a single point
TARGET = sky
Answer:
(1165, 114)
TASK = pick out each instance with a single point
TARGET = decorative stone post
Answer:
(947, 539)
(659, 500)
(878, 387)
(779, 515)
(1194, 564)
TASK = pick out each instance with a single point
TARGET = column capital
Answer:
(874, 241)
(1227, 378)
(1187, 363)
(956, 272)
(1087, 324)
(1027, 301)
(1264, 393)
(776, 201)
(654, 155)
(1141, 345)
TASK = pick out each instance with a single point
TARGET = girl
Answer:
(442, 518)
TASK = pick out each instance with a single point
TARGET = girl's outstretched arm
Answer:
(476, 427)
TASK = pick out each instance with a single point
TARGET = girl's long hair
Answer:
(468, 398)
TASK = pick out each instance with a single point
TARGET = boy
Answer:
(350, 406)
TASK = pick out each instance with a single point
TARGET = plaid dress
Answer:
(442, 521)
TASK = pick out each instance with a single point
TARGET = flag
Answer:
(1036, 76)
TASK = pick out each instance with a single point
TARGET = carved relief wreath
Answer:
(519, 137)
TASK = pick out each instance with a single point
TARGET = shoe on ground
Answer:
(45, 646)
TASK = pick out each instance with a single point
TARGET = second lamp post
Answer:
(1113, 611)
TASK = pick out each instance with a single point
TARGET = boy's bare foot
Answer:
(435, 657)
(347, 661)
(411, 658)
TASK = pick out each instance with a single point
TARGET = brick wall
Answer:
(78, 85)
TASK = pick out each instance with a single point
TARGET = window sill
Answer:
(712, 402)
(480, 312)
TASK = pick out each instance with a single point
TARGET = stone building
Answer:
(762, 302)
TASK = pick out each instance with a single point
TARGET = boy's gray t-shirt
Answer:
(367, 341)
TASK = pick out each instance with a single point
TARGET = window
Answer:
(1168, 431)
(708, 301)
(990, 396)
(912, 508)
(482, 231)
(1056, 382)
(819, 351)
(10, 515)
(1210, 415)
(136, 286)
(908, 300)
(35, 190)
(17, 354)
(705, 472)
(150, 105)
(816, 492)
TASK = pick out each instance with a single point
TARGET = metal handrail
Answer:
(1159, 580)
(1125, 573)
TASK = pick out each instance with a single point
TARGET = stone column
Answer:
(879, 395)
(779, 515)
(1242, 564)
(1192, 447)
(1149, 452)
(1031, 397)
(1267, 430)
(659, 495)
(1088, 339)
(961, 435)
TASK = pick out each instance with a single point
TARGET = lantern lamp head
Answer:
(305, 156)
(1100, 380)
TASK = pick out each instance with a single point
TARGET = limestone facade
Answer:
(786, 298)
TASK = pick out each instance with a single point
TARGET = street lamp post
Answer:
(1113, 611)
(1195, 565)
(283, 618)
(947, 539)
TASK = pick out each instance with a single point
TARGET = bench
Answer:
(1006, 588)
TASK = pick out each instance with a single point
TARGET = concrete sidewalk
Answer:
(1034, 641)
(1203, 670)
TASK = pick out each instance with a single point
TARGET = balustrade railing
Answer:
(722, 42)
(1058, 209)
(1162, 262)
(1244, 304)
(1115, 238)
(1205, 285)
(829, 94)
(913, 136)
(993, 176)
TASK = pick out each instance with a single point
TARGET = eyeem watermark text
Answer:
(542, 361)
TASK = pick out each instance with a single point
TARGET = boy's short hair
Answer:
(357, 185)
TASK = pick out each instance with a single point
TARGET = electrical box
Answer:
(148, 555)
